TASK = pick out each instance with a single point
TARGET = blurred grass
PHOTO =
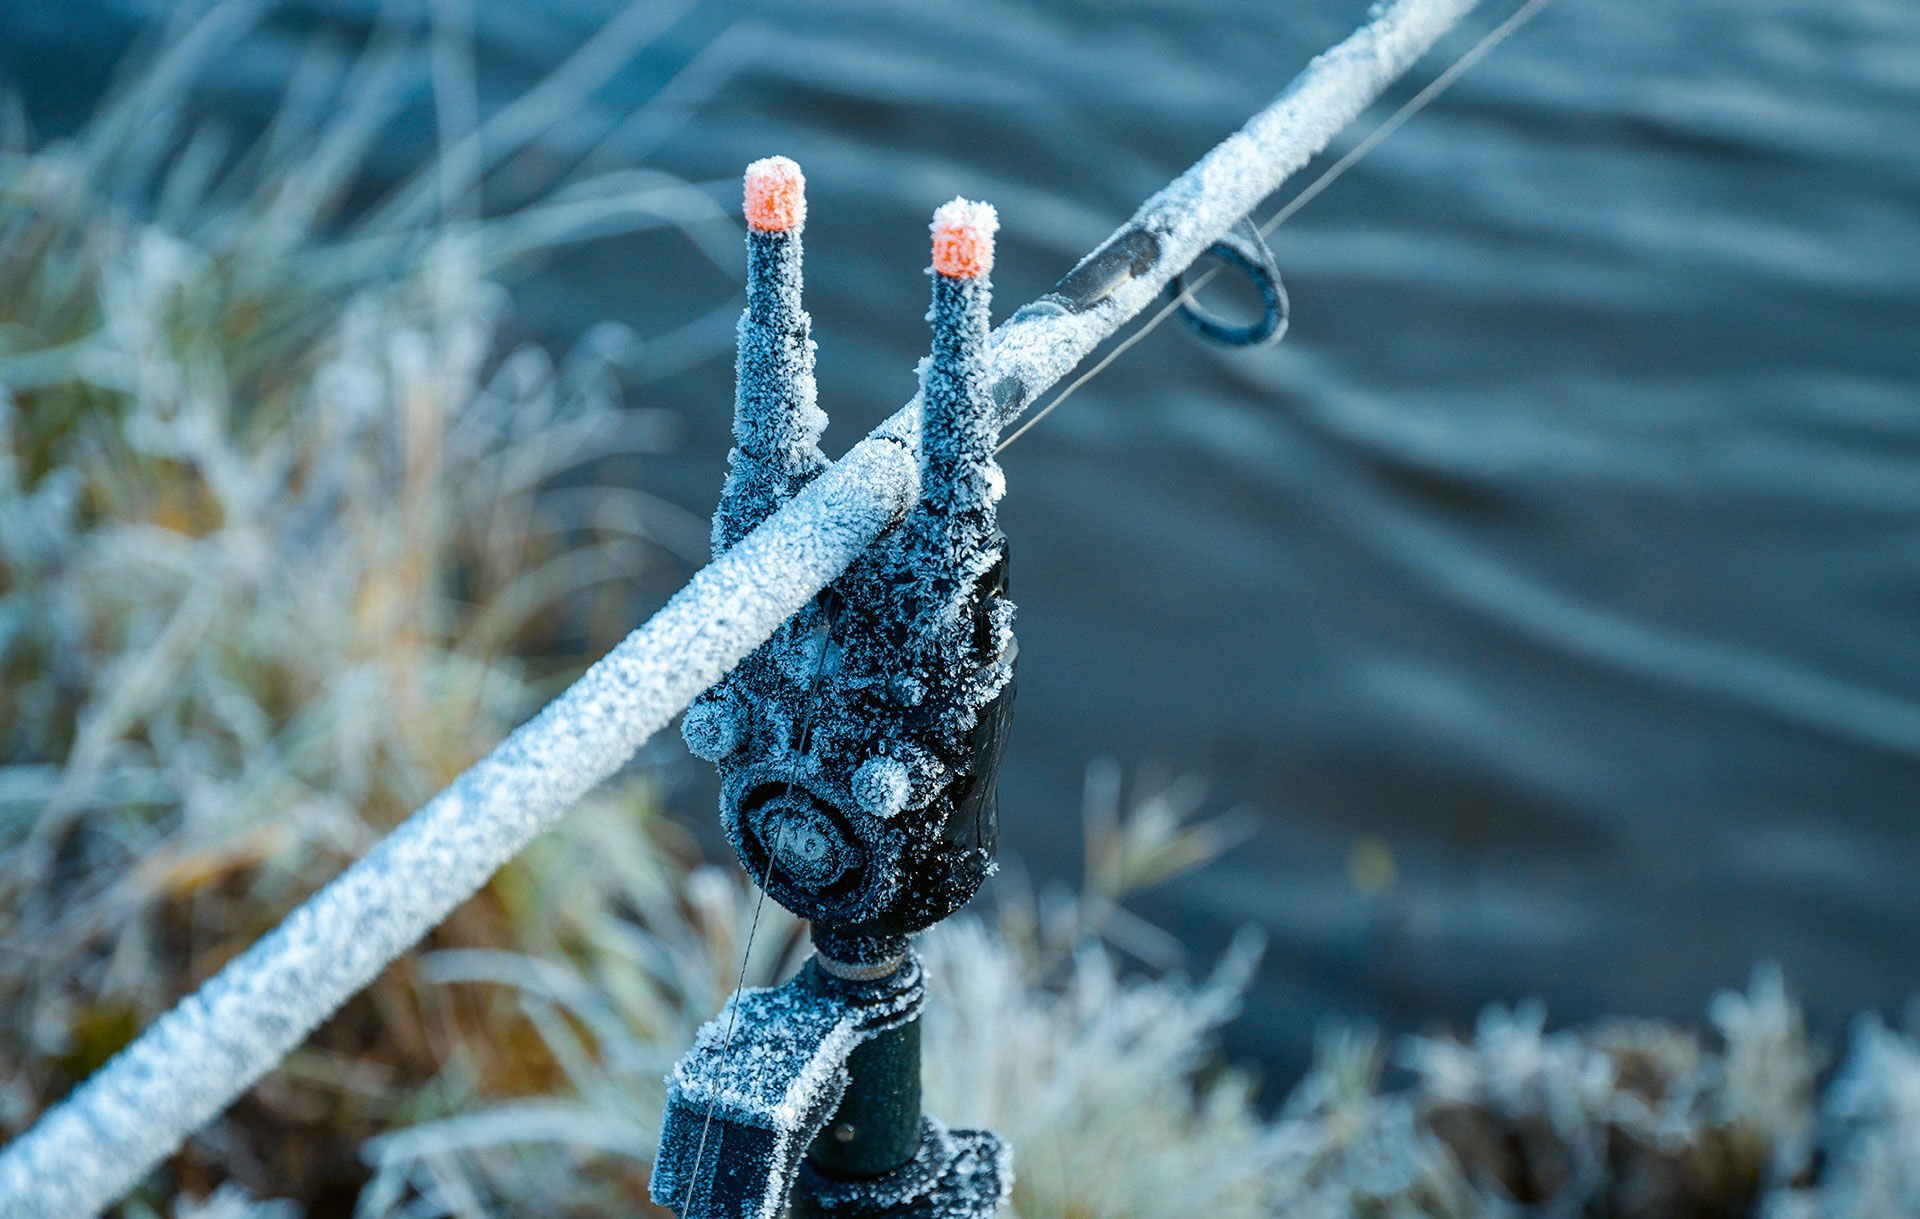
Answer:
(287, 540)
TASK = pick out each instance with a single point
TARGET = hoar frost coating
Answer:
(775, 196)
(761, 1079)
(777, 420)
(963, 239)
(850, 744)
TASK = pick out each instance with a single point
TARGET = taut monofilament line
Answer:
(195, 1060)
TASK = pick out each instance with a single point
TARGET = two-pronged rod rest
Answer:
(859, 754)
(859, 747)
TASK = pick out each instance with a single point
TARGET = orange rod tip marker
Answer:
(963, 238)
(776, 193)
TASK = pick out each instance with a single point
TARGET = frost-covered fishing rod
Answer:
(195, 1060)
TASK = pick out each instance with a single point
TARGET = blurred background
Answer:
(1546, 599)
(1543, 607)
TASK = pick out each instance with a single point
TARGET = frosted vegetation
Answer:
(282, 551)
(288, 537)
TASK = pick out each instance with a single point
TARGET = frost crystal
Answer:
(882, 785)
(777, 419)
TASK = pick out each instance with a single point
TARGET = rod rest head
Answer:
(859, 747)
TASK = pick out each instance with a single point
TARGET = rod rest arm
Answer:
(760, 1083)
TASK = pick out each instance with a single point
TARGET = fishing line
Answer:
(760, 903)
(1140, 332)
(1413, 105)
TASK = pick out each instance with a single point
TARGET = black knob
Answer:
(804, 846)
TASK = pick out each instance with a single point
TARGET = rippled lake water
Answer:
(1548, 600)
